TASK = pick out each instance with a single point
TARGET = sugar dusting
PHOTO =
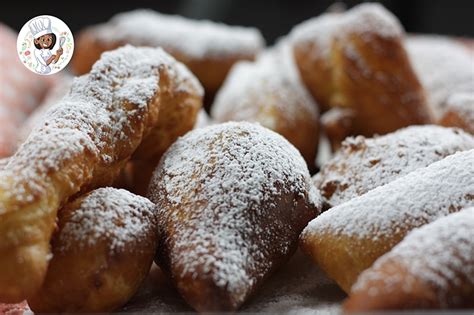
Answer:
(221, 172)
(55, 94)
(253, 90)
(440, 253)
(91, 119)
(420, 197)
(198, 39)
(107, 214)
(365, 163)
(298, 287)
(368, 18)
(319, 30)
(337, 115)
(372, 18)
(203, 119)
(463, 105)
(3, 163)
(443, 67)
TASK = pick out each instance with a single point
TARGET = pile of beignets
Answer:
(192, 146)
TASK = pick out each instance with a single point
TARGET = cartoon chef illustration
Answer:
(44, 41)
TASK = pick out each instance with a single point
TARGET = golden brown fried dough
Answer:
(363, 164)
(443, 66)
(83, 144)
(459, 112)
(178, 113)
(232, 201)
(269, 91)
(432, 268)
(102, 250)
(54, 95)
(337, 125)
(356, 60)
(208, 49)
(347, 239)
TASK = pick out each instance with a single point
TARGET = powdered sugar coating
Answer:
(440, 253)
(373, 18)
(203, 119)
(420, 197)
(231, 177)
(363, 164)
(197, 39)
(90, 121)
(259, 165)
(3, 163)
(443, 67)
(367, 18)
(297, 288)
(463, 105)
(55, 94)
(254, 90)
(319, 30)
(115, 216)
(337, 115)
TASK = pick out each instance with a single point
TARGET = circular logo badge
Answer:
(45, 45)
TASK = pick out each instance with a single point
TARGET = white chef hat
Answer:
(40, 26)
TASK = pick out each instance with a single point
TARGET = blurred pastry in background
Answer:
(337, 124)
(269, 91)
(363, 164)
(458, 111)
(432, 268)
(444, 67)
(21, 90)
(203, 119)
(356, 60)
(208, 49)
(467, 42)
